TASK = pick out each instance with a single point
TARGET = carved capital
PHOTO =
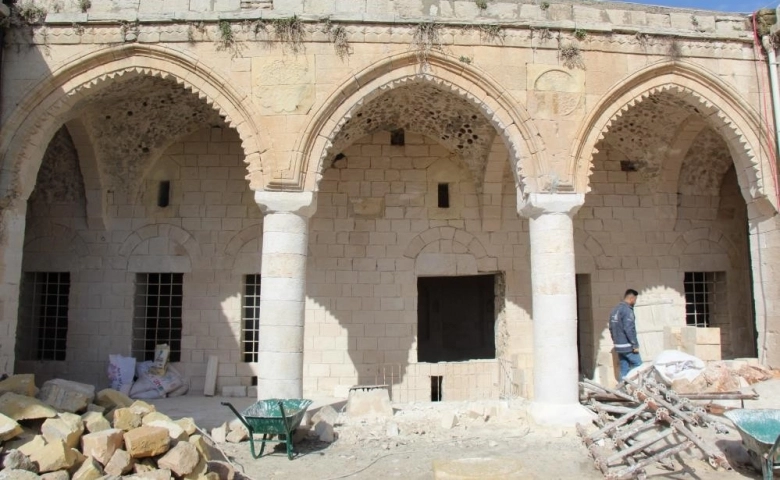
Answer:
(303, 204)
(533, 205)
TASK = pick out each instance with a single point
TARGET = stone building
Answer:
(447, 197)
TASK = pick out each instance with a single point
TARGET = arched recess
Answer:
(61, 248)
(93, 184)
(243, 261)
(449, 251)
(143, 254)
(716, 238)
(54, 101)
(523, 142)
(720, 106)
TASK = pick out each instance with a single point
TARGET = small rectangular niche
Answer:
(398, 137)
(164, 194)
(444, 195)
(436, 388)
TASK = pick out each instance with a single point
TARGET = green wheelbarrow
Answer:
(760, 431)
(272, 417)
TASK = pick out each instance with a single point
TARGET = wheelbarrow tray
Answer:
(271, 417)
(760, 432)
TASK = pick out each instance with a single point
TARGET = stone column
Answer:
(12, 227)
(283, 291)
(556, 372)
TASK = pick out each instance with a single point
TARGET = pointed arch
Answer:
(511, 121)
(719, 104)
(54, 100)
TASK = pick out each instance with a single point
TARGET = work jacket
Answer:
(622, 326)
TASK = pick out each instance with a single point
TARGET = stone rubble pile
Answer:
(66, 430)
(725, 376)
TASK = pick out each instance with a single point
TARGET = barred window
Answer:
(158, 312)
(43, 316)
(704, 293)
(251, 318)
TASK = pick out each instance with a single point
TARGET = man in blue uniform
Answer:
(622, 327)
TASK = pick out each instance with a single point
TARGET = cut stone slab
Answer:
(126, 419)
(478, 469)
(181, 459)
(110, 398)
(18, 475)
(102, 445)
(147, 441)
(95, 422)
(326, 413)
(20, 407)
(54, 456)
(121, 462)
(237, 436)
(142, 408)
(219, 434)
(448, 420)
(66, 395)
(33, 444)
(66, 427)
(369, 403)
(16, 460)
(9, 428)
(20, 384)
(154, 417)
(174, 430)
(188, 425)
(89, 470)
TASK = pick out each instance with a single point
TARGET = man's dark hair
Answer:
(631, 291)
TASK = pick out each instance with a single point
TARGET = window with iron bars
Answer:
(157, 316)
(703, 295)
(43, 316)
(250, 321)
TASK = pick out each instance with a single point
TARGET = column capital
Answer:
(303, 204)
(533, 205)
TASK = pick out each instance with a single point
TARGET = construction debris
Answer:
(643, 422)
(62, 435)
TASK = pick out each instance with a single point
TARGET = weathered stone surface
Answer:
(223, 469)
(155, 417)
(9, 428)
(18, 475)
(147, 441)
(110, 398)
(174, 430)
(144, 465)
(54, 456)
(374, 404)
(121, 462)
(188, 425)
(58, 475)
(200, 470)
(126, 419)
(21, 384)
(66, 427)
(32, 444)
(326, 413)
(16, 460)
(20, 407)
(237, 436)
(66, 395)
(95, 422)
(96, 408)
(152, 475)
(102, 445)
(205, 449)
(219, 434)
(181, 459)
(89, 470)
(142, 408)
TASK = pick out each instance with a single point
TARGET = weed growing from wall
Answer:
(226, 37)
(338, 37)
(580, 34)
(465, 59)
(426, 40)
(29, 13)
(675, 49)
(544, 6)
(571, 56)
(85, 5)
(642, 39)
(290, 31)
(491, 33)
(481, 4)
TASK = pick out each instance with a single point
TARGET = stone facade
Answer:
(583, 150)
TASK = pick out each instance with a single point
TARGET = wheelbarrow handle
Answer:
(240, 417)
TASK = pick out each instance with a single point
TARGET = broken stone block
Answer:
(147, 441)
(174, 430)
(144, 465)
(110, 398)
(58, 475)
(20, 384)
(95, 422)
(155, 417)
(237, 436)
(325, 413)
(200, 470)
(18, 475)
(223, 469)
(20, 407)
(205, 449)
(181, 459)
(188, 425)
(125, 419)
(33, 444)
(16, 460)
(54, 456)
(121, 462)
(392, 429)
(219, 434)
(9, 428)
(371, 403)
(96, 408)
(89, 470)
(102, 445)
(142, 408)
(448, 420)
(325, 431)
(151, 475)
(66, 427)
(66, 395)
(80, 457)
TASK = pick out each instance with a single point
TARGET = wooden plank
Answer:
(211, 376)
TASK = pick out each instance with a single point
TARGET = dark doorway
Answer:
(456, 318)
(585, 334)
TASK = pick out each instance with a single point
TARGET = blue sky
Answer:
(745, 6)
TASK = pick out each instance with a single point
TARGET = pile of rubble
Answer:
(725, 376)
(65, 430)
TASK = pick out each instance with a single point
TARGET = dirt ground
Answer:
(408, 445)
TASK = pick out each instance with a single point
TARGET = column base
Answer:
(564, 415)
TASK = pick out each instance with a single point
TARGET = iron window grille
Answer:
(703, 292)
(158, 312)
(43, 318)
(250, 321)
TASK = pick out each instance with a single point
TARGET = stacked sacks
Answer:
(68, 431)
